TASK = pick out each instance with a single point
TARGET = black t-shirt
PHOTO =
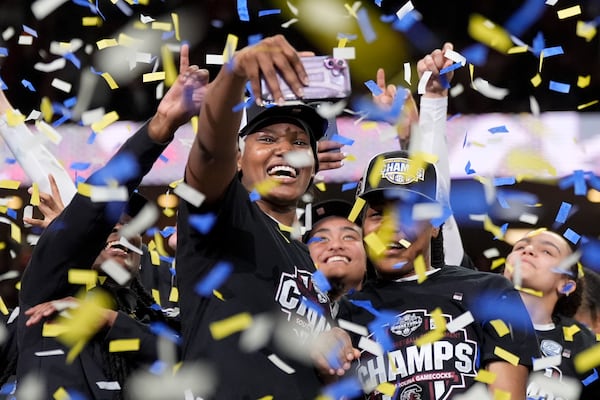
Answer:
(271, 273)
(552, 342)
(398, 313)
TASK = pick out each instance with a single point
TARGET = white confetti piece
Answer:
(460, 322)
(52, 66)
(62, 305)
(546, 362)
(427, 211)
(61, 85)
(347, 53)
(457, 90)
(214, 59)
(146, 19)
(125, 243)
(13, 316)
(530, 219)
(488, 90)
(105, 193)
(49, 353)
(257, 335)
(551, 2)
(141, 57)
(189, 194)
(534, 106)
(42, 8)
(12, 274)
(292, 8)
(8, 33)
(279, 363)
(352, 327)
(116, 271)
(405, 9)
(491, 253)
(62, 48)
(331, 110)
(111, 385)
(370, 345)
(564, 388)
(308, 217)
(27, 213)
(407, 73)
(91, 116)
(423, 82)
(49, 132)
(455, 56)
(25, 40)
(287, 24)
(33, 115)
(3, 333)
(147, 216)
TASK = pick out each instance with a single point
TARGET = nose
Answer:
(528, 249)
(283, 147)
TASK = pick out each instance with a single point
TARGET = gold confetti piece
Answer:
(429, 337)
(2, 245)
(230, 47)
(15, 232)
(485, 31)
(485, 376)
(583, 81)
(268, 397)
(168, 66)
(91, 21)
(351, 10)
(61, 394)
(342, 42)
(356, 209)
(75, 350)
(321, 186)
(569, 12)
(506, 356)
(3, 308)
(570, 331)
(154, 257)
(194, 122)
(582, 106)
(128, 41)
(156, 296)
(375, 176)
(175, 18)
(500, 327)
(160, 244)
(174, 295)
(35, 195)
(14, 118)
(153, 77)
(489, 226)
(169, 212)
(53, 329)
(532, 292)
(84, 189)
(420, 269)
(501, 395)
(175, 183)
(161, 26)
(9, 184)
(536, 80)
(386, 388)
(106, 120)
(218, 295)
(228, 326)
(585, 30)
(498, 263)
(104, 43)
(109, 79)
(86, 277)
(517, 50)
(587, 359)
(374, 243)
(350, 158)
(597, 337)
(368, 125)
(438, 319)
(119, 345)
(46, 109)
(51, 133)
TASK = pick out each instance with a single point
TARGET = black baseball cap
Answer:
(329, 208)
(400, 178)
(302, 115)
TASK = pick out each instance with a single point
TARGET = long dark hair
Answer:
(567, 305)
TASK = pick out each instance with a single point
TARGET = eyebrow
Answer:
(344, 228)
(543, 242)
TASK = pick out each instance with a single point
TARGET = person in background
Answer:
(551, 288)
(588, 312)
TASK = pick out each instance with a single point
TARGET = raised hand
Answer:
(332, 353)
(49, 308)
(435, 62)
(51, 205)
(329, 159)
(386, 98)
(183, 100)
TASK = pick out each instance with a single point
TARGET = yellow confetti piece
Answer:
(420, 269)
(61, 394)
(161, 26)
(160, 244)
(194, 122)
(582, 106)
(529, 162)
(532, 292)
(321, 186)
(485, 376)
(106, 120)
(14, 118)
(104, 43)
(268, 397)
(9, 184)
(218, 295)
(489, 226)
(375, 176)
(583, 81)
(518, 49)
(570, 331)
(153, 77)
(386, 388)
(536, 80)
(230, 47)
(2, 245)
(228, 326)
(597, 337)
(84, 189)
(342, 42)
(485, 31)
(3, 308)
(154, 257)
(498, 263)
(46, 109)
(75, 350)
(86, 277)
(91, 21)
(368, 125)
(266, 186)
(350, 158)
(174, 295)
(569, 12)
(500, 327)
(501, 395)
(356, 209)
(169, 212)
(109, 79)
(587, 359)
(15, 232)
(175, 183)
(374, 243)
(168, 66)
(119, 345)
(175, 18)
(53, 329)
(430, 337)
(585, 30)
(351, 10)
(128, 41)
(506, 356)
(156, 296)
(35, 195)
(438, 319)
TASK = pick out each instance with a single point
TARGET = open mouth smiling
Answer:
(283, 171)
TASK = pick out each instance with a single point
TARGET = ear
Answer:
(568, 287)
(435, 232)
(239, 160)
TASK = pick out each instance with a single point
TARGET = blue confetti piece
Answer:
(559, 87)
(468, 169)
(173, 271)
(121, 168)
(254, 196)
(525, 17)
(498, 129)
(465, 139)
(163, 330)
(253, 39)
(572, 236)
(158, 367)
(3, 51)
(406, 22)
(167, 231)
(349, 36)
(590, 253)
(214, 279)
(95, 72)
(321, 281)
(503, 230)
(502, 200)
(552, 51)
(314, 239)
(27, 85)
(11, 213)
(92, 138)
(349, 186)
(64, 118)
(242, 9)
(450, 68)
(167, 35)
(311, 305)
(590, 378)
(167, 259)
(580, 187)
(30, 31)
(343, 140)
(80, 166)
(563, 212)
(505, 181)
(10, 161)
(3, 85)
(264, 13)
(446, 213)
(476, 54)
(372, 86)
(73, 59)
(70, 102)
(538, 44)
(444, 81)
(203, 223)
(365, 25)
(346, 388)
(163, 158)
(8, 388)
(378, 3)
(367, 305)
(243, 104)
(79, 179)
(399, 265)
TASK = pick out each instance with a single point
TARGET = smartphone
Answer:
(329, 79)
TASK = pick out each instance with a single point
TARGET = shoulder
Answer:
(481, 278)
(579, 330)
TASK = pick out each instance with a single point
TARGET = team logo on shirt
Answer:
(436, 370)
(402, 171)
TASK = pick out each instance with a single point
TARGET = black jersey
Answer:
(271, 272)
(397, 313)
(552, 342)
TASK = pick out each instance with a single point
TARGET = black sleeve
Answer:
(126, 327)
(76, 236)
